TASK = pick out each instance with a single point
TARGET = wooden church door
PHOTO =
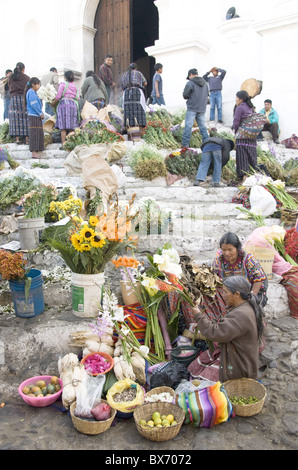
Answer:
(113, 22)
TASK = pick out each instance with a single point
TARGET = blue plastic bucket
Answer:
(35, 303)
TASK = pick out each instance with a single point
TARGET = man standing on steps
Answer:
(215, 78)
(196, 93)
(106, 75)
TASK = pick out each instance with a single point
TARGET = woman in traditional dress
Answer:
(68, 114)
(232, 260)
(35, 117)
(246, 149)
(18, 119)
(94, 90)
(133, 84)
(238, 334)
(287, 271)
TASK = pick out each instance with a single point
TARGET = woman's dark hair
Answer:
(69, 76)
(132, 66)
(242, 285)
(243, 95)
(32, 81)
(231, 238)
(97, 80)
(17, 73)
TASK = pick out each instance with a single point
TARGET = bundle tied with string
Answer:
(72, 373)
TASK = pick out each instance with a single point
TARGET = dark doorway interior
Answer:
(145, 24)
(124, 29)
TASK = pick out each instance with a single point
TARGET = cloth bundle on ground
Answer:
(109, 153)
(207, 407)
(291, 142)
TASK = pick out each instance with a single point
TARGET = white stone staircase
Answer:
(200, 215)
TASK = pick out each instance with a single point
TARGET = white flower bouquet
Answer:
(47, 93)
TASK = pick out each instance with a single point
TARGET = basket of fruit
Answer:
(102, 418)
(158, 421)
(246, 395)
(41, 391)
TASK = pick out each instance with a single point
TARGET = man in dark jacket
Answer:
(216, 151)
(196, 93)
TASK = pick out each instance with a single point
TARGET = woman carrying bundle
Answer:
(133, 84)
(238, 334)
(246, 149)
(94, 90)
(18, 119)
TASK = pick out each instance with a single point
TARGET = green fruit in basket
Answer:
(173, 423)
(157, 421)
(26, 390)
(44, 391)
(155, 416)
(41, 384)
(142, 422)
(51, 389)
(163, 417)
(150, 423)
(166, 423)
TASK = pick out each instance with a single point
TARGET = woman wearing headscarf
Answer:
(18, 118)
(246, 149)
(94, 90)
(238, 335)
(133, 84)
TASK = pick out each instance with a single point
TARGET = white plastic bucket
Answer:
(30, 231)
(86, 294)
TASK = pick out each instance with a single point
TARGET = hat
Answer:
(193, 72)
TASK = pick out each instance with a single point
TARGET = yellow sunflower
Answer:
(86, 247)
(98, 240)
(87, 232)
(93, 221)
(77, 241)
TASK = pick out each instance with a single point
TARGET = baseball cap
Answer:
(193, 72)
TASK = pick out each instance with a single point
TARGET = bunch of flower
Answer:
(147, 161)
(184, 162)
(12, 265)
(156, 134)
(15, 184)
(155, 112)
(94, 132)
(152, 218)
(111, 316)
(291, 244)
(155, 283)
(47, 93)
(37, 202)
(71, 206)
(87, 246)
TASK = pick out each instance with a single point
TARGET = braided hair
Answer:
(242, 285)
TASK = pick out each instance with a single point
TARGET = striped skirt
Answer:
(67, 115)
(290, 282)
(246, 156)
(18, 118)
(36, 134)
(134, 107)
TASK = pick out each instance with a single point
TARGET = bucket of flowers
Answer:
(86, 247)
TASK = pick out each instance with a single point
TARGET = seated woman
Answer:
(238, 333)
(232, 260)
(287, 271)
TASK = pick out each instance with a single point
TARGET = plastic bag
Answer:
(89, 395)
(186, 386)
(262, 201)
(119, 387)
(101, 412)
(169, 374)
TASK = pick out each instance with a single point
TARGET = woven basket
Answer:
(159, 434)
(86, 426)
(246, 388)
(158, 390)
